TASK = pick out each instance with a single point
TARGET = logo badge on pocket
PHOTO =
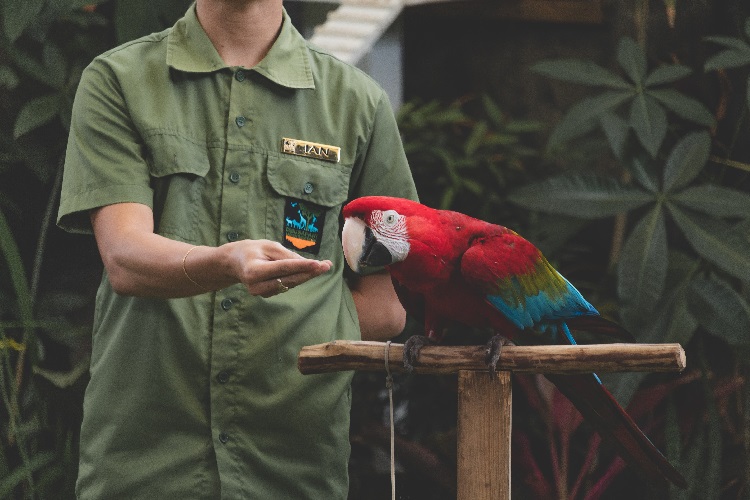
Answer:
(309, 149)
(303, 225)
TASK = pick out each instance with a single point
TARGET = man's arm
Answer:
(142, 263)
(381, 316)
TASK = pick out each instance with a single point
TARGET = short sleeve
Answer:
(383, 169)
(104, 161)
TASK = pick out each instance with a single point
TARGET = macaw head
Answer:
(383, 231)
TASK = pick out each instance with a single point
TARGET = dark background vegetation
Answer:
(638, 196)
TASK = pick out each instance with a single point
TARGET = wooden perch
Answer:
(343, 355)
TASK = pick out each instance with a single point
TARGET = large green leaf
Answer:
(720, 310)
(583, 116)
(729, 42)
(649, 122)
(715, 200)
(683, 106)
(580, 71)
(686, 160)
(36, 113)
(581, 196)
(715, 241)
(643, 263)
(632, 59)
(667, 74)
(616, 129)
(731, 58)
(18, 15)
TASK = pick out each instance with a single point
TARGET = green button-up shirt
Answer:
(200, 397)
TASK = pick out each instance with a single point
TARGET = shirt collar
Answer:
(287, 63)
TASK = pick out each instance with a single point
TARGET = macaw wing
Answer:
(518, 281)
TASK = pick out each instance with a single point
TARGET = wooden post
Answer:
(484, 401)
(484, 430)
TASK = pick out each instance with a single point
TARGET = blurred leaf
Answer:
(616, 129)
(649, 122)
(582, 117)
(64, 380)
(475, 139)
(522, 127)
(580, 71)
(732, 58)
(27, 64)
(643, 263)
(8, 78)
(494, 113)
(632, 59)
(35, 463)
(581, 196)
(720, 309)
(748, 92)
(667, 74)
(737, 53)
(714, 241)
(686, 160)
(639, 167)
(36, 113)
(683, 106)
(715, 200)
(54, 62)
(18, 15)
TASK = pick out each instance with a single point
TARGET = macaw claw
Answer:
(494, 348)
(412, 347)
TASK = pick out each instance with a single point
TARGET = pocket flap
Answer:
(172, 154)
(325, 185)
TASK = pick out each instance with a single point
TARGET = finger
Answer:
(263, 271)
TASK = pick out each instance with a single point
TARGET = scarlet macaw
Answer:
(447, 266)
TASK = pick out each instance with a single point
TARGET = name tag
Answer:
(309, 149)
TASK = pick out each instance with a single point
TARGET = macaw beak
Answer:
(361, 248)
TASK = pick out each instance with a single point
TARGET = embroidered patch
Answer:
(303, 225)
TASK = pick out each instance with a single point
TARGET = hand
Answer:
(260, 264)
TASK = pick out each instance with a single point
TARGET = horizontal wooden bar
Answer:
(343, 355)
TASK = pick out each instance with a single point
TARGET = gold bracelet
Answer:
(184, 269)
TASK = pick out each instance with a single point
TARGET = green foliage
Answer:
(467, 154)
(684, 260)
(646, 104)
(44, 47)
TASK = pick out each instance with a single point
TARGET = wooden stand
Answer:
(484, 401)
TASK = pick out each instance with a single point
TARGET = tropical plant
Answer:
(45, 323)
(681, 267)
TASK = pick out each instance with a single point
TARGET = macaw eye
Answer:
(390, 217)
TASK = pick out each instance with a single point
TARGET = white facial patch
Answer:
(353, 240)
(390, 228)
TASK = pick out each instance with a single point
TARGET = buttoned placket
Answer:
(227, 334)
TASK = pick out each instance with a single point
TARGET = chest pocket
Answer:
(320, 189)
(178, 170)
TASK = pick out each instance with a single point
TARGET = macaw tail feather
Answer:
(614, 425)
(603, 412)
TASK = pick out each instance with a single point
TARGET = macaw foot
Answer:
(494, 347)
(412, 346)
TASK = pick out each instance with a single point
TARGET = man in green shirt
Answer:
(211, 162)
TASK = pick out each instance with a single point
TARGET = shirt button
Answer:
(240, 75)
(308, 188)
(233, 236)
(223, 437)
(240, 121)
(234, 177)
(226, 304)
(223, 377)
